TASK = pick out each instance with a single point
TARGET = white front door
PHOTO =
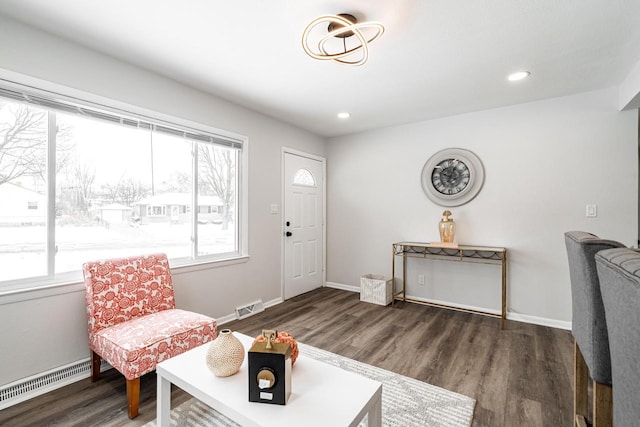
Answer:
(303, 224)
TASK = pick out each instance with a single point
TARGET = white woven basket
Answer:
(375, 289)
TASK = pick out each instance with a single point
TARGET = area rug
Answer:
(406, 402)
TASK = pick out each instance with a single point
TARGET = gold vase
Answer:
(225, 354)
(447, 228)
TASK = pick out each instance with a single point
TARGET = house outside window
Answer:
(123, 186)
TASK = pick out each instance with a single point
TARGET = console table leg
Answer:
(393, 275)
(504, 290)
(404, 277)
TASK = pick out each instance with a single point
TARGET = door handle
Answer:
(288, 234)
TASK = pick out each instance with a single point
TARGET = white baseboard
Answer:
(542, 321)
(525, 318)
(226, 319)
(343, 287)
(273, 302)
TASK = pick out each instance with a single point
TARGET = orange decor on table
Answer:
(285, 338)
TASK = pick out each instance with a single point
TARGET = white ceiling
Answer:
(436, 58)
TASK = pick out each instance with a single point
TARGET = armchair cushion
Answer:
(135, 347)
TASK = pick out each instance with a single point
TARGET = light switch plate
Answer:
(274, 208)
(592, 211)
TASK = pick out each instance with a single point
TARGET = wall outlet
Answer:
(420, 279)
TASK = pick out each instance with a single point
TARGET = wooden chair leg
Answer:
(580, 390)
(602, 405)
(95, 366)
(133, 396)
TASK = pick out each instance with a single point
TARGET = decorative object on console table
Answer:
(445, 245)
(270, 370)
(283, 338)
(225, 354)
(447, 228)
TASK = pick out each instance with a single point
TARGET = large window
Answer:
(78, 184)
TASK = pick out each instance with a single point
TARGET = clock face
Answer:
(452, 177)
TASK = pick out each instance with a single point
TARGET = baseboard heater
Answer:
(36, 385)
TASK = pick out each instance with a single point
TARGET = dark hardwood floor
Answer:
(521, 376)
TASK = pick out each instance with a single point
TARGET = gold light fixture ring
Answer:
(343, 28)
(364, 43)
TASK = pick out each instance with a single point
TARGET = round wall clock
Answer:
(452, 177)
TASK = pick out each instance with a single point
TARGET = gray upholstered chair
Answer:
(619, 272)
(589, 328)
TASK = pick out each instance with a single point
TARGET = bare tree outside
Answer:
(74, 190)
(84, 177)
(217, 177)
(23, 143)
(179, 182)
(125, 191)
(23, 133)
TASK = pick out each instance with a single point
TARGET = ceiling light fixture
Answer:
(513, 77)
(344, 115)
(342, 26)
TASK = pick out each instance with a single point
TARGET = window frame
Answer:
(64, 94)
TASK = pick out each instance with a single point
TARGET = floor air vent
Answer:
(250, 309)
(36, 385)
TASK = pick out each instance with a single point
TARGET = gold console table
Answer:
(462, 253)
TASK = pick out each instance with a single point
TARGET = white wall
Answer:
(44, 333)
(543, 161)
(630, 89)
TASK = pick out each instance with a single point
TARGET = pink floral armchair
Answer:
(133, 322)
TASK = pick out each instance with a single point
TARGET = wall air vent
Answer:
(249, 309)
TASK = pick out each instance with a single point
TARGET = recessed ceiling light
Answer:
(344, 115)
(518, 76)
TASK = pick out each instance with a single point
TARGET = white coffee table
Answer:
(322, 395)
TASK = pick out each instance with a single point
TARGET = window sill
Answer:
(207, 265)
(45, 291)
